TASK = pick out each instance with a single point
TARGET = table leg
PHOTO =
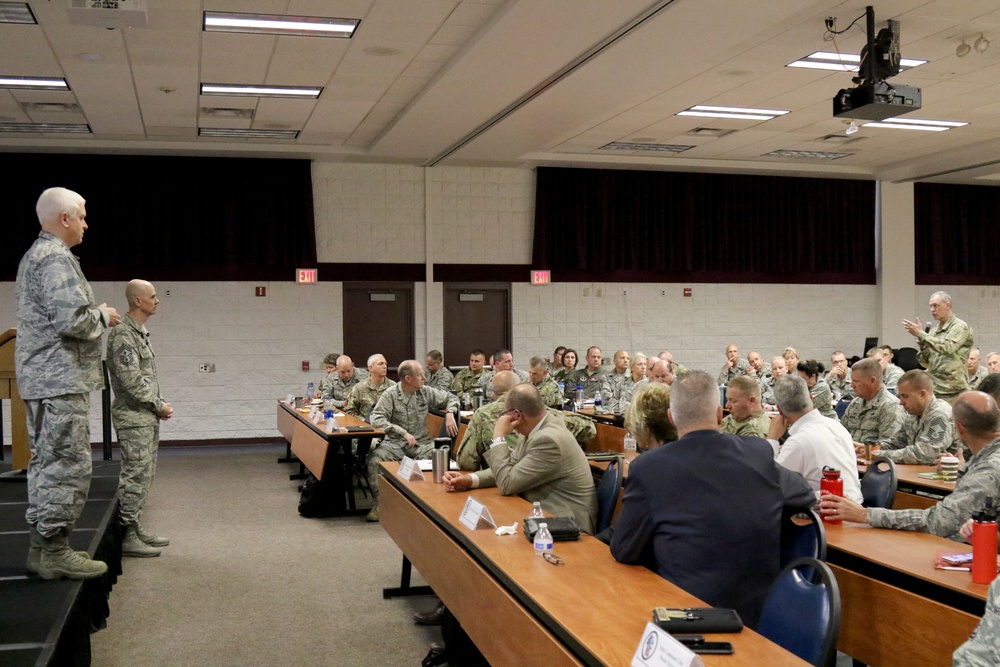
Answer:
(405, 589)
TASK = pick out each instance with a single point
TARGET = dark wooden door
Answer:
(378, 318)
(476, 315)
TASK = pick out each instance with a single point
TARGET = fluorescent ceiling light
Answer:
(247, 134)
(239, 90)
(16, 12)
(277, 24)
(738, 113)
(33, 83)
(53, 128)
(917, 124)
(844, 62)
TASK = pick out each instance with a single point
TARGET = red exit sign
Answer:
(306, 276)
(540, 277)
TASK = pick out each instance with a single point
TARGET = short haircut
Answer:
(694, 399)
(371, 359)
(917, 379)
(477, 353)
(836, 352)
(886, 348)
(561, 348)
(435, 355)
(54, 201)
(978, 422)
(525, 397)
(990, 385)
(792, 395)
(499, 354)
(406, 369)
(504, 381)
(331, 359)
(944, 296)
(868, 368)
(594, 347)
(646, 415)
(132, 289)
(873, 351)
(746, 385)
(537, 362)
(810, 367)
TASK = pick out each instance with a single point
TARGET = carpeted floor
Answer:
(247, 581)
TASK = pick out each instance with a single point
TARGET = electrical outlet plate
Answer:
(206, 368)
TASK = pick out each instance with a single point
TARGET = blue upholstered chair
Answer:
(841, 407)
(802, 612)
(878, 486)
(607, 494)
(802, 536)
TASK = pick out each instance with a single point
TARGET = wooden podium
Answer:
(8, 389)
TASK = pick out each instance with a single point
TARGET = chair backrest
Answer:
(802, 536)
(906, 358)
(443, 431)
(841, 407)
(878, 486)
(802, 612)
(607, 494)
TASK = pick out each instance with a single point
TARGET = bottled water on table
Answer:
(543, 540)
(630, 444)
(536, 510)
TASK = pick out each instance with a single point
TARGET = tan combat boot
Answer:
(149, 538)
(136, 548)
(58, 561)
(35, 550)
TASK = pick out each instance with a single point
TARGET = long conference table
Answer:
(521, 610)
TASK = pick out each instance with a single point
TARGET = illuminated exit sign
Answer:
(540, 277)
(306, 276)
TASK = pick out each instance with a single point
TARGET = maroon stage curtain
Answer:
(955, 230)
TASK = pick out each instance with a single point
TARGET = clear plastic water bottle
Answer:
(310, 390)
(543, 540)
(630, 444)
(536, 510)
(562, 388)
(578, 398)
(598, 403)
(328, 404)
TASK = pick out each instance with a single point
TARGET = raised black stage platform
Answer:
(49, 622)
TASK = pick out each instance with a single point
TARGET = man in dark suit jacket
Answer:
(705, 511)
(546, 465)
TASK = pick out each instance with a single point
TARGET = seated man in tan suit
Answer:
(546, 464)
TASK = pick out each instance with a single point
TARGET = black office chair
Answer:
(443, 431)
(802, 536)
(607, 493)
(878, 486)
(841, 407)
(905, 358)
(802, 612)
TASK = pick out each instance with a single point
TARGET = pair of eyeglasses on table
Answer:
(552, 558)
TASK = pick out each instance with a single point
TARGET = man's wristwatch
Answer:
(498, 441)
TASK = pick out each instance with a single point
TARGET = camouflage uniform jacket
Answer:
(944, 353)
(891, 376)
(466, 380)
(980, 481)
(339, 390)
(612, 389)
(398, 413)
(742, 367)
(549, 391)
(767, 392)
(132, 367)
(478, 436)
(875, 421)
(583, 429)
(629, 389)
(591, 381)
(922, 438)
(981, 372)
(822, 399)
(440, 379)
(364, 396)
(983, 647)
(841, 388)
(59, 325)
(756, 425)
(486, 381)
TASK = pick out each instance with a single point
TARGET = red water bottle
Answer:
(831, 484)
(984, 544)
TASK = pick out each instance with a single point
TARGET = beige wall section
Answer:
(895, 270)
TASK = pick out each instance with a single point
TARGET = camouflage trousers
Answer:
(60, 465)
(138, 446)
(393, 451)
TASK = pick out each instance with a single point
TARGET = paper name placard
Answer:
(316, 416)
(290, 400)
(409, 470)
(476, 515)
(658, 649)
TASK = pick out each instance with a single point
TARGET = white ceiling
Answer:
(516, 82)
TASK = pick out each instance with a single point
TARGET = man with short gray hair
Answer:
(746, 416)
(712, 499)
(365, 395)
(538, 373)
(814, 441)
(873, 417)
(976, 370)
(944, 351)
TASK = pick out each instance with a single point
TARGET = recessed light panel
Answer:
(916, 124)
(33, 83)
(16, 12)
(737, 113)
(247, 134)
(278, 24)
(239, 90)
(844, 62)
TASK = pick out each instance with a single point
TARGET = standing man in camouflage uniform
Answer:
(438, 375)
(365, 394)
(58, 364)
(873, 417)
(945, 350)
(538, 373)
(468, 378)
(977, 420)
(402, 414)
(928, 429)
(136, 414)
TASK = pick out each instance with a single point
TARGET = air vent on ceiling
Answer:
(631, 146)
(108, 13)
(222, 112)
(807, 155)
(709, 132)
(51, 107)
